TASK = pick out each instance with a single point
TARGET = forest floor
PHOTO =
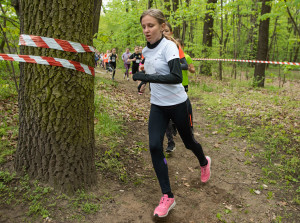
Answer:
(234, 193)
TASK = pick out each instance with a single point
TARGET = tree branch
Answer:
(291, 17)
(12, 21)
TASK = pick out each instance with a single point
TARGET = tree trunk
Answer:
(56, 105)
(262, 48)
(205, 67)
(96, 20)
(252, 31)
(184, 23)
(167, 6)
(296, 53)
(176, 29)
(128, 36)
(221, 43)
(191, 37)
(150, 4)
(272, 41)
(233, 73)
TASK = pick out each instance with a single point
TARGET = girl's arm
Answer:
(175, 76)
(184, 64)
(192, 68)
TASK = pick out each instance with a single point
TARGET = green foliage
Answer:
(7, 86)
(120, 24)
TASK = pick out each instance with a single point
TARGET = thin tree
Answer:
(176, 29)
(96, 20)
(221, 43)
(56, 105)
(150, 4)
(184, 23)
(167, 6)
(263, 42)
(205, 67)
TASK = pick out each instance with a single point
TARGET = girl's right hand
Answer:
(141, 67)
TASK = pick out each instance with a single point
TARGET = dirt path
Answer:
(228, 197)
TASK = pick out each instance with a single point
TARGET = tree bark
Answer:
(96, 20)
(150, 4)
(262, 48)
(176, 29)
(56, 105)
(205, 67)
(167, 6)
(184, 23)
(221, 43)
(252, 32)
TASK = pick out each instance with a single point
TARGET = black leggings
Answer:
(171, 129)
(113, 65)
(158, 122)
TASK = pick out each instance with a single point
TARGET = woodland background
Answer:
(251, 124)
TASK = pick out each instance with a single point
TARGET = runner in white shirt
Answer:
(168, 101)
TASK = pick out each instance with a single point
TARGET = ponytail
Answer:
(172, 39)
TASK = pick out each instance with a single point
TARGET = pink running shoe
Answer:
(205, 171)
(165, 205)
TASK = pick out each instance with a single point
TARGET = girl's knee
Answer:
(155, 147)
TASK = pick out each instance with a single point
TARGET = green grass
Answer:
(41, 202)
(267, 118)
(107, 125)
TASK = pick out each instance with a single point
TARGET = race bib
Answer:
(137, 61)
(113, 59)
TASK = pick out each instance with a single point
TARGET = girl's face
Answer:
(152, 29)
(114, 51)
(167, 32)
(141, 49)
(136, 50)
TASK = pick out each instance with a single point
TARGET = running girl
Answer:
(125, 58)
(135, 58)
(105, 60)
(113, 61)
(168, 101)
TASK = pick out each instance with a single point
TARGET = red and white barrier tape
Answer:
(250, 61)
(49, 61)
(58, 44)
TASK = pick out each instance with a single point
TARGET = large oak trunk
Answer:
(56, 105)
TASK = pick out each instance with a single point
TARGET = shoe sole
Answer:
(169, 151)
(170, 208)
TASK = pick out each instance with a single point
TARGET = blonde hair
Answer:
(155, 13)
(159, 16)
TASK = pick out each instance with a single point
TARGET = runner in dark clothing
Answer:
(135, 58)
(113, 62)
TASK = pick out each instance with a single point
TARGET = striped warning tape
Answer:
(74, 65)
(250, 61)
(58, 44)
